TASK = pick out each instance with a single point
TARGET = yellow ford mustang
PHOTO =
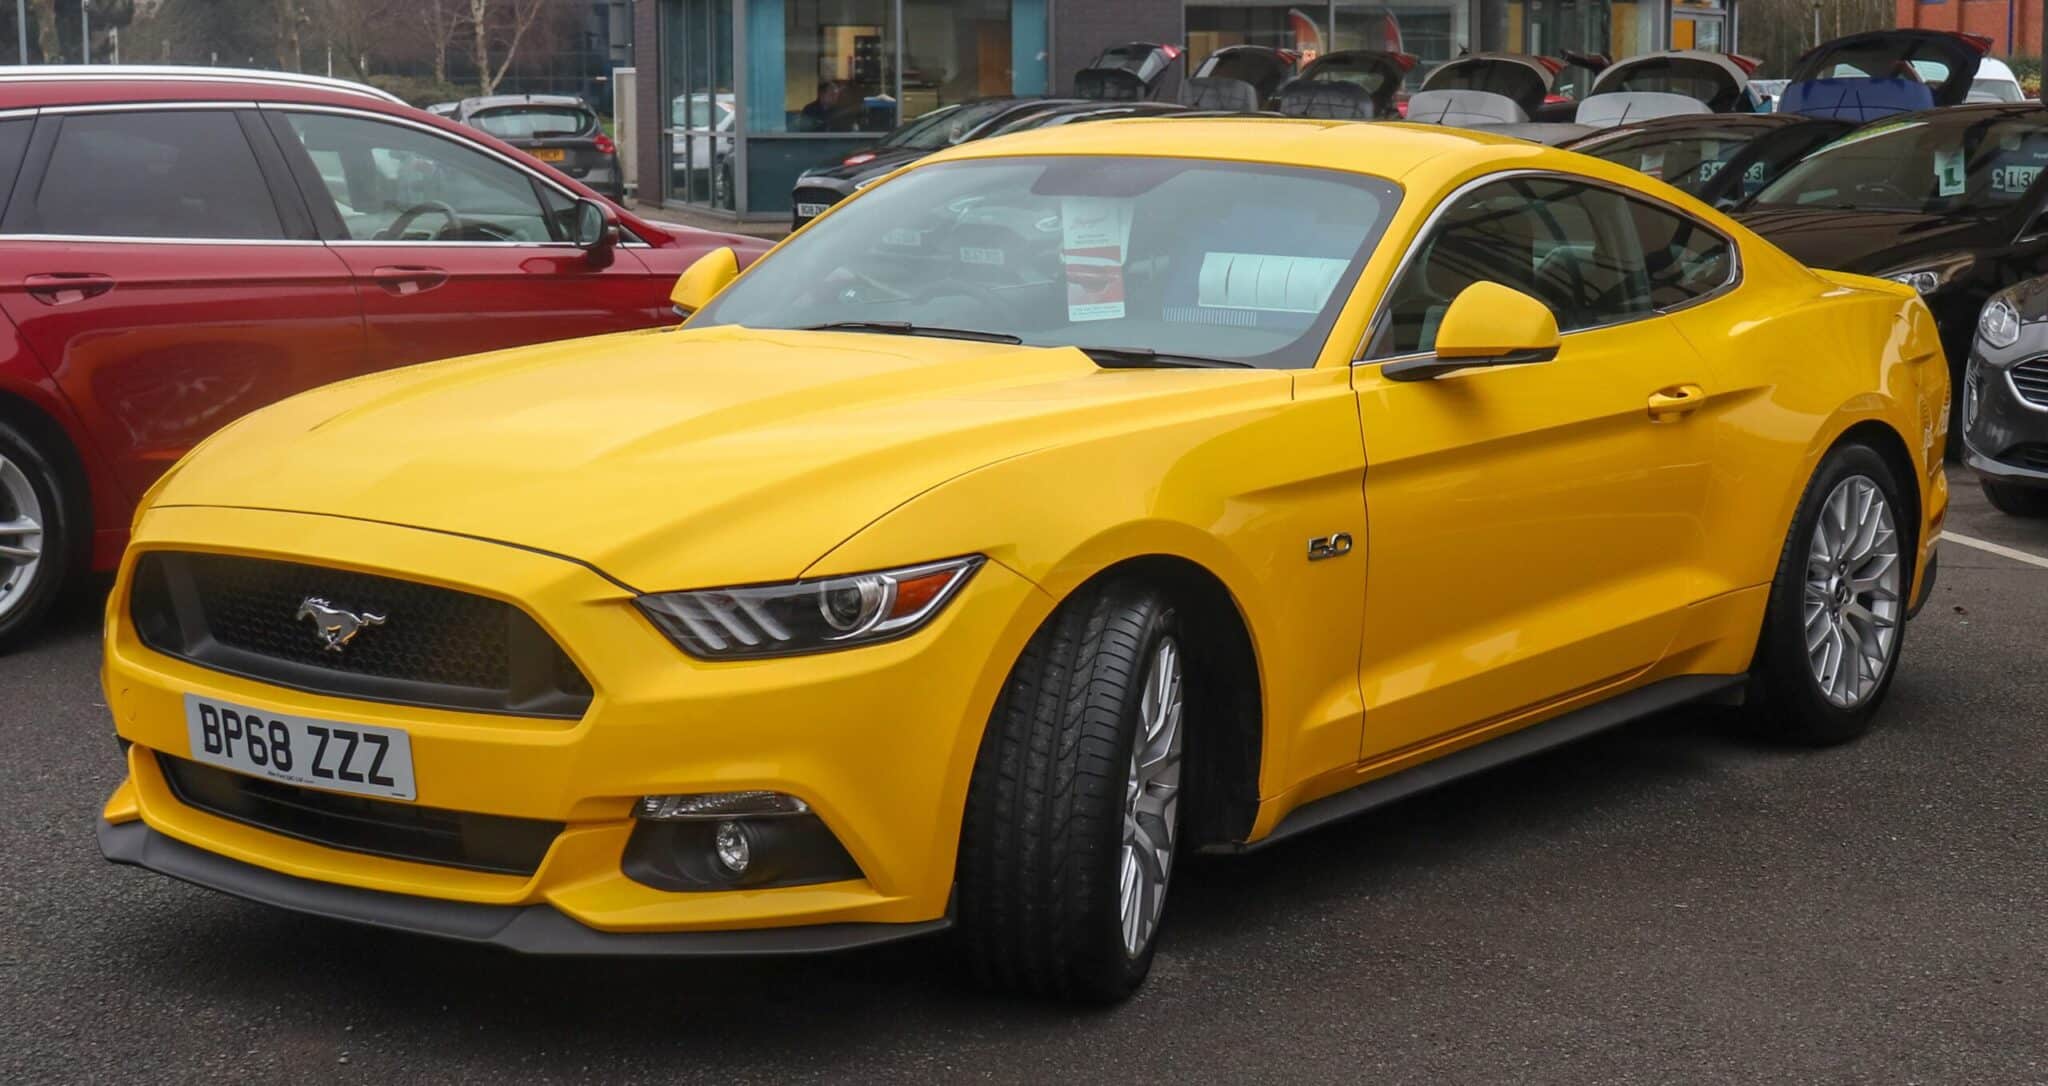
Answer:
(1064, 504)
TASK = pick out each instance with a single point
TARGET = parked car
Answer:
(557, 129)
(2005, 400)
(819, 187)
(1354, 84)
(1539, 86)
(1063, 505)
(181, 245)
(1054, 115)
(1516, 95)
(1722, 158)
(1949, 201)
(1239, 79)
(1875, 74)
(701, 152)
(1995, 82)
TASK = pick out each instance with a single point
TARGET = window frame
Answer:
(1430, 225)
(293, 218)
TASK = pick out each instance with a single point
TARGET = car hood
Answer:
(681, 459)
(1867, 242)
(885, 160)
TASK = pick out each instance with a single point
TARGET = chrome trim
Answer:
(153, 73)
(25, 111)
(359, 243)
(129, 239)
(2025, 401)
(1436, 214)
(148, 107)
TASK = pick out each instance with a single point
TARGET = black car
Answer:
(555, 128)
(2005, 400)
(1949, 201)
(1722, 158)
(820, 187)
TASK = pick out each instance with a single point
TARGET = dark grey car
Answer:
(2005, 400)
(557, 129)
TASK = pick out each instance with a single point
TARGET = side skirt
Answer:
(1534, 739)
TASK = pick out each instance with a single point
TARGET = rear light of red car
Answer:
(605, 146)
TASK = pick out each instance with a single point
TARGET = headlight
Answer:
(1934, 274)
(807, 616)
(1999, 323)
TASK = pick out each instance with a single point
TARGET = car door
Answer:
(455, 249)
(1535, 530)
(160, 264)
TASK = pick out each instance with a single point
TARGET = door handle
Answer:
(63, 288)
(408, 279)
(1676, 402)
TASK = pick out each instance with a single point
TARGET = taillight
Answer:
(605, 146)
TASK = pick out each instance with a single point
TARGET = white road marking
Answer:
(1998, 549)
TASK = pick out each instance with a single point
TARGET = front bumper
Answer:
(2005, 438)
(879, 741)
(528, 929)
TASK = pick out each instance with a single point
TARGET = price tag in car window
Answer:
(1948, 172)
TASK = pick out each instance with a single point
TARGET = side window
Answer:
(13, 144)
(1570, 246)
(151, 174)
(1682, 259)
(397, 184)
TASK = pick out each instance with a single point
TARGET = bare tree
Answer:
(505, 21)
(46, 31)
(353, 28)
(441, 19)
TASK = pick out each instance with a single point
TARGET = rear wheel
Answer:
(2015, 501)
(1073, 812)
(1837, 611)
(35, 536)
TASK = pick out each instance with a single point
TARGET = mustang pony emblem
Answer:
(334, 626)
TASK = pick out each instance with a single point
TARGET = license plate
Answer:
(358, 758)
(811, 211)
(550, 154)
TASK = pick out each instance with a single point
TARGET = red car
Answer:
(181, 246)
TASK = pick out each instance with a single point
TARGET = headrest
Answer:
(1856, 99)
(1620, 107)
(1109, 85)
(1464, 108)
(1233, 95)
(1329, 99)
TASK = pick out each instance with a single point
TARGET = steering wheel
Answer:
(1884, 188)
(405, 220)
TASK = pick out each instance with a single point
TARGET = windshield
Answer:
(1962, 162)
(1231, 261)
(945, 127)
(535, 122)
(1688, 158)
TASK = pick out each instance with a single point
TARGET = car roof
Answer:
(23, 86)
(1388, 149)
(1994, 68)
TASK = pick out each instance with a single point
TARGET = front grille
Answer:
(2033, 456)
(400, 831)
(2030, 378)
(435, 646)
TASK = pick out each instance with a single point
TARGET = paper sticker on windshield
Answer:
(1653, 163)
(1095, 240)
(2013, 179)
(1268, 282)
(1948, 172)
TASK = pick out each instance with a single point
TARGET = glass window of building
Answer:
(1433, 31)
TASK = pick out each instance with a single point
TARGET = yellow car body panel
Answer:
(1526, 540)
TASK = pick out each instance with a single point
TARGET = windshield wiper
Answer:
(908, 328)
(1147, 358)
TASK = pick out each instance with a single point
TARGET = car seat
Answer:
(1230, 95)
(1328, 99)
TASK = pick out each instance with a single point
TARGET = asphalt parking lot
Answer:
(1669, 902)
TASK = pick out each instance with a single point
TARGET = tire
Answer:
(2014, 500)
(38, 542)
(1047, 853)
(1802, 700)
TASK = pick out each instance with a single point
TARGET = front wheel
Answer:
(35, 535)
(2015, 501)
(1073, 811)
(1837, 611)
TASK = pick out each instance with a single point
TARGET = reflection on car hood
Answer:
(1868, 242)
(885, 159)
(682, 459)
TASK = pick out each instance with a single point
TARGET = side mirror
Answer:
(1486, 325)
(595, 231)
(702, 281)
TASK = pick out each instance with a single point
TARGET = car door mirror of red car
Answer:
(702, 281)
(1487, 324)
(595, 230)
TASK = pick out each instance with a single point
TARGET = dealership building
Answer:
(734, 98)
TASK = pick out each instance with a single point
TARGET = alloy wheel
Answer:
(21, 535)
(1854, 597)
(1152, 800)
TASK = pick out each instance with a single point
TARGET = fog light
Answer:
(734, 850)
(709, 805)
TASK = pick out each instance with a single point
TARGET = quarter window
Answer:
(1592, 255)
(396, 184)
(155, 174)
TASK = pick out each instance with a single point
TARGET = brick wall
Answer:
(1991, 18)
(650, 146)
(1081, 28)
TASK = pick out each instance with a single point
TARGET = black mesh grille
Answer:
(403, 831)
(434, 646)
(2033, 456)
